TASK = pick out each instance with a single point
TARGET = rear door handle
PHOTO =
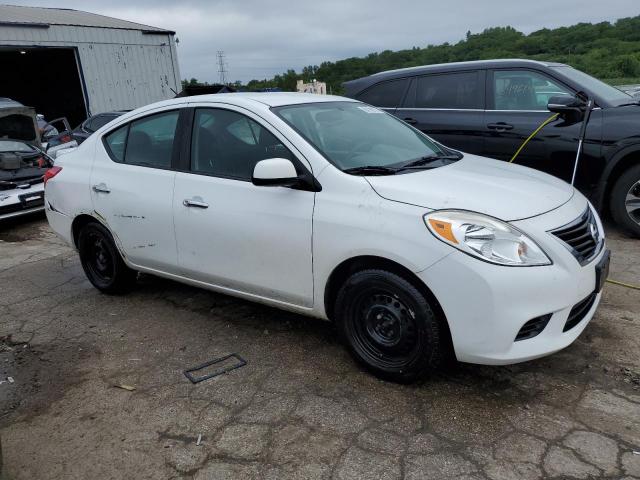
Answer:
(101, 188)
(195, 202)
(410, 121)
(500, 126)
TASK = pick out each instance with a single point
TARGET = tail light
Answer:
(65, 139)
(49, 174)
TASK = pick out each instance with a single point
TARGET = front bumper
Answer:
(486, 305)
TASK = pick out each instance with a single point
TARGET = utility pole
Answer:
(222, 68)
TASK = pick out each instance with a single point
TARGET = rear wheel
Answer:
(102, 262)
(389, 325)
(625, 201)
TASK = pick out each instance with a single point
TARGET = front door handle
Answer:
(101, 188)
(194, 202)
(410, 121)
(500, 126)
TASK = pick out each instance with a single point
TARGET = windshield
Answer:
(12, 146)
(352, 135)
(606, 92)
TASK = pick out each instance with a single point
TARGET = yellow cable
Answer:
(542, 125)
(622, 284)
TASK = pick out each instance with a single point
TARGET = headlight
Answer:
(485, 237)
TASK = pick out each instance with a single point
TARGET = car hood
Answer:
(505, 191)
(18, 122)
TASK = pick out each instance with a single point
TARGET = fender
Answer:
(598, 195)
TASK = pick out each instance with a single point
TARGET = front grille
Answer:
(533, 327)
(581, 237)
(579, 311)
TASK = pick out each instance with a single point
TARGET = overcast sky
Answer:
(261, 38)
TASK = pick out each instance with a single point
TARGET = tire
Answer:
(101, 261)
(389, 326)
(626, 190)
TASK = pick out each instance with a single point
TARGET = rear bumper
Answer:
(21, 202)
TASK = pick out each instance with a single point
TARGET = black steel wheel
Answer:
(389, 325)
(625, 201)
(102, 262)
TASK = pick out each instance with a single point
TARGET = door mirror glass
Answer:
(275, 172)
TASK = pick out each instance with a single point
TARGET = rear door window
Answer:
(452, 91)
(150, 140)
(386, 95)
(115, 142)
(147, 141)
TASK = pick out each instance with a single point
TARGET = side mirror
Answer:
(275, 172)
(570, 108)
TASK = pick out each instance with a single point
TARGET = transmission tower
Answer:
(222, 68)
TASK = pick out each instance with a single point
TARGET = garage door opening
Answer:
(47, 79)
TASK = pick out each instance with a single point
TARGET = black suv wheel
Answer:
(102, 262)
(389, 326)
(625, 200)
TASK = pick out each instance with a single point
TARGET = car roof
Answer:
(250, 100)
(355, 86)
(271, 99)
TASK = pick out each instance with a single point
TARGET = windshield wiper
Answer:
(371, 170)
(422, 161)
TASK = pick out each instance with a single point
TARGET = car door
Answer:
(230, 232)
(132, 188)
(516, 106)
(449, 107)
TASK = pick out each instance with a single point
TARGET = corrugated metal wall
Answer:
(122, 69)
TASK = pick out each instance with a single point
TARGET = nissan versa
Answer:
(328, 207)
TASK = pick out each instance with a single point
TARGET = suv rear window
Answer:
(386, 95)
(451, 90)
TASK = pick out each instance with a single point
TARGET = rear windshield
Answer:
(606, 92)
(17, 127)
(11, 146)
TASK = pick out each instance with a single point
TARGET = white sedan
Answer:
(332, 208)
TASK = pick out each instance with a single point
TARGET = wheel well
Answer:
(628, 161)
(356, 264)
(79, 222)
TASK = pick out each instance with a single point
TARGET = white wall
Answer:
(122, 69)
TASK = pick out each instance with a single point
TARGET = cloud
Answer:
(262, 38)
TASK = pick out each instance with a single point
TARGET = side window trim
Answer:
(106, 146)
(490, 87)
(174, 153)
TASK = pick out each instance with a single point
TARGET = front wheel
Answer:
(625, 201)
(102, 262)
(389, 326)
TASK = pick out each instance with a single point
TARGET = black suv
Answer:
(490, 107)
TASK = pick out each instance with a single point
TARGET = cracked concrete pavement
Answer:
(301, 408)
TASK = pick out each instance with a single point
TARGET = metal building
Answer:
(72, 63)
